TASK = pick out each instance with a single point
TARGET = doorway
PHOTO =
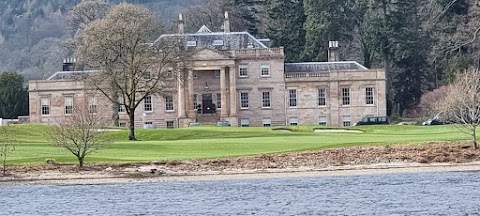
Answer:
(207, 103)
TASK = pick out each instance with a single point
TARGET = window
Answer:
(148, 125)
(293, 121)
(219, 101)
(322, 97)
(266, 99)
(170, 73)
(170, 124)
(345, 96)
(244, 100)
(347, 121)
(265, 70)
(121, 107)
(69, 105)
(243, 71)
(195, 101)
(45, 102)
(147, 75)
(369, 95)
(292, 97)
(169, 103)
(267, 122)
(217, 42)
(217, 73)
(92, 104)
(147, 104)
(244, 122)
(191, 43)
(122, 124)
(322, 121)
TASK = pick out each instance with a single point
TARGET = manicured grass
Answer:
(213, 142)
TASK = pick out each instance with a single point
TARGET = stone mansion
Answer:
(238, 78)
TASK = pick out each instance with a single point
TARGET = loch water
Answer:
(443, 193)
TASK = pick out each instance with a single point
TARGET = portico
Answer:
(208, 90)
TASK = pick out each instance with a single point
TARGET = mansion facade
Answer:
(237, 78)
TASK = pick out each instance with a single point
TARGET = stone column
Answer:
(223, 91)
(190, 109)
(181, 96)
(233, 91)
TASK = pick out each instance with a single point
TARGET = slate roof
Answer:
(71, 75)
(230, 40)
(322, 66)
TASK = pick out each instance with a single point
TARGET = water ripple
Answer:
(448, 193)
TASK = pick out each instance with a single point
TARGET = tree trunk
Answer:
(116, 106)
(475, 138)
(5, 163)
(131, 126)
(115, 116)
(80, 161)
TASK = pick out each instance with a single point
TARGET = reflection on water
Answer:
(448, 193)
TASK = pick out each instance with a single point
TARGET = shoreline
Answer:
(106, 177)
(430, 157)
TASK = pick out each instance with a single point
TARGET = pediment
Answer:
(210, 54)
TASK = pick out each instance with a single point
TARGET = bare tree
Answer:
(7, 145)
(81, 133)
(211, 14)
(85, 12)
(131, 67)
(429, 101)
(461, 102)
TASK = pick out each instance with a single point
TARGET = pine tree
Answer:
(286, 27)
(326, 20)
(13, 97)
(410, 48)
(249, 14)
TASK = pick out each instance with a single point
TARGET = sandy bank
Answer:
(104, 177)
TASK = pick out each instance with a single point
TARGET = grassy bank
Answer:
(214, 142)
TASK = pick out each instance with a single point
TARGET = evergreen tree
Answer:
(410, 48)
(249, 14)
(326, 20)
(453, 26)
(286, 27)
(13, 97)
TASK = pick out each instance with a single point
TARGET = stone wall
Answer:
(278, 83)
(308, 111)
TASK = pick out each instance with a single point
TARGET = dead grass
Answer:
(456, 152)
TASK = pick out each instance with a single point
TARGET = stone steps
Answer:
(208, 119)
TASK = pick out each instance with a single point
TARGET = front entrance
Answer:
(207, 103)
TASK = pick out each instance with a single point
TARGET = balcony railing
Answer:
(306, 75)
(259, 52)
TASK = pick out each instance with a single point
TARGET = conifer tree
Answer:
(410, 46)
(13, 97)
(286, 27)
(326, 20)
(249, 15)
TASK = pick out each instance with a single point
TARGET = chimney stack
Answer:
(69, 64)
(333, 51)
(181, 24)
(226, 23)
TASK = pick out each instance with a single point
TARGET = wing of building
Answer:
(237, 78)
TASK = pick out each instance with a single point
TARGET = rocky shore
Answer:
(430, 157)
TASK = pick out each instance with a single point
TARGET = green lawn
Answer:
(213, 142)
